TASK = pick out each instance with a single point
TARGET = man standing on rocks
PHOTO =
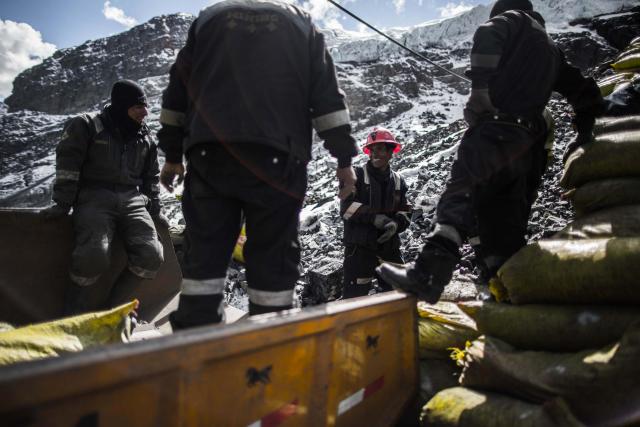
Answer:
(515, 66)
(374, 216)
(107, 170)
(244, 93)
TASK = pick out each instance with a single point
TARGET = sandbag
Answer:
(627, 62)
(238, 250)
(597, 385)
(625, 99)
(619, 221)
(606, 125)
(442, 327)
(628, 51)
(71, 334)
(462, 407)
(437, 375)
(611, 155)
(605, 193)
(573, 327)
(591, 271)
(608, 85)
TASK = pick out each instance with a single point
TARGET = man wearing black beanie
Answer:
(515, 66)
(107, 171)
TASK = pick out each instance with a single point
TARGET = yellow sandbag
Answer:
(605, 193)
(462, 407)
(627, 62)
(629, 51)
(597, 385)
(608, 85)
(575, 327)
(441, 327)
(71, 334)
(612, 155)
(238, 250)
(619, 221)
(591, 271)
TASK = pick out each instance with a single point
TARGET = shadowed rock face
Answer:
(77, 79)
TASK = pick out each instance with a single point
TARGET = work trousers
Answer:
(492, 186)
(224, 184)
(100, 212)
(359, 268)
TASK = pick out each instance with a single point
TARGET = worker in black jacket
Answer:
(515, 66)
(243, 95)
(107, 171)
(374, 216)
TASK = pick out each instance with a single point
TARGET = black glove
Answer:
(390, 228)
(161, 220)
(55, 211)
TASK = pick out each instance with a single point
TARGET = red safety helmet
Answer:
(379, 136)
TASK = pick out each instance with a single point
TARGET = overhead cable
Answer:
(391, 39)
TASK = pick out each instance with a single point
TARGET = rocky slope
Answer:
(422, 106)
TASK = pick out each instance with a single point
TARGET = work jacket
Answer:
(376, 193)
(93, 151)
(516, 60)
(254, 71)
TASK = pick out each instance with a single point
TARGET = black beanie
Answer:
(504, 5)
(125, 94)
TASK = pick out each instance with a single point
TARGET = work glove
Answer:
(161, 220)
(478, 105)
(380, 221)
(169, 173)
(346, 182)
(390, 228)
(55, 211)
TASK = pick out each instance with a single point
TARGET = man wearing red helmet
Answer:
(373, 216)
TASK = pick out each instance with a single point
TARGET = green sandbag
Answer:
(437, 375)
(592, 271)
(462, 407)
(620, 221)
(612, 155)
(605, 125)
(604, 193)
(596, 384)
(441, 327)
(574, 327)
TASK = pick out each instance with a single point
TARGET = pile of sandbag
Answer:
(622, 88)
(443, 329)
(560, 346)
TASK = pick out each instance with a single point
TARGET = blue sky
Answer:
(31, 30)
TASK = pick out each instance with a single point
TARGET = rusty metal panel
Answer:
(293, 368)
(35, 255)
(376, 368)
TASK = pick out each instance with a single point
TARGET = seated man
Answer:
(373, 216)
(107, 170)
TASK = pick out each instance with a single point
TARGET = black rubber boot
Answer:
(429, 274)
(197, 310)
(77, 300)
(255, 309)
(125, 289)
